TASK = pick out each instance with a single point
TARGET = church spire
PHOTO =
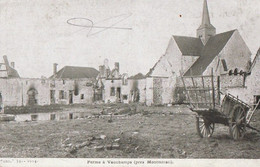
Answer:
(206, 29)
(205, 14)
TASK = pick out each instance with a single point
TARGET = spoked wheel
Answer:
(237, 124)
(205, 128)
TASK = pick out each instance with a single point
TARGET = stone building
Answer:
(72, 85)
(112, 86)
(250, 92)
(224, 53)
(68, 85)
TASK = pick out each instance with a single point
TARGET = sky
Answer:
(35, 33)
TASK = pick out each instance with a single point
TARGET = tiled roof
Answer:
(137, 76)
(212, 48)
(189, 45)
(12, 73)
(73, 72)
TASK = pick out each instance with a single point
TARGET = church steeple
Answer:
(206, 29)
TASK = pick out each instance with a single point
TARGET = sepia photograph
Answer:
(129, 82)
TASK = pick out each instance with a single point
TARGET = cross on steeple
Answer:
(206, 29)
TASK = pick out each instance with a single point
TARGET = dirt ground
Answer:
(154, 132)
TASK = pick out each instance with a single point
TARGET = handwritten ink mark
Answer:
(91, 25)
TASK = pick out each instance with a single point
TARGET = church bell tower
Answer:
(206, 29)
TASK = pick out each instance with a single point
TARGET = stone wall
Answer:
(30, 91)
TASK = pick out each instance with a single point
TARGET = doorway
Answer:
(71, 97)
(32, 96)
(52, 96)
(118, 93)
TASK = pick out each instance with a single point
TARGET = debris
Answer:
(99, 148)
(135, 133)
(115, 146)
(86, 143)
(103, 137)
(116, 140)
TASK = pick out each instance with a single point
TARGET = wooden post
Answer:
(195, 91)
(213, 89)
(218, 87)
(186, 90)
(203, 85)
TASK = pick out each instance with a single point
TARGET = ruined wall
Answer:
(232, 81)
(141, 86)
(160, 90)
(15, 91)
(82, 90)
(42, 88)
(10, 90)
(108, 84)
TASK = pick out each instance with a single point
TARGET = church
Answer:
(226, 53)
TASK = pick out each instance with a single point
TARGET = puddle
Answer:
(51, 116)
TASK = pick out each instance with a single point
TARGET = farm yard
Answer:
(131, 132)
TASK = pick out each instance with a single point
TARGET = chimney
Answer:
(6, 60)
(102, 70)
(55, 68)
(117, 66)
(107, 73)
(13, 65)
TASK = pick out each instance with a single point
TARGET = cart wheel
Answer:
(205, 128)
(237, 124)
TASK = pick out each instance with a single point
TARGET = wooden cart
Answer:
(206, 100)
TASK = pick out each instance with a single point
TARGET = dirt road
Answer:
(158, 132)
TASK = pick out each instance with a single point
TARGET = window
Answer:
(124, 97)
(230, 72)
(224, 64)
(62, 94)
(112, 91)
(82, 96)
(236, 71)
(63, 81)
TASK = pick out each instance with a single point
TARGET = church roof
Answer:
(73, 72)
(189, 45)
(212, 48)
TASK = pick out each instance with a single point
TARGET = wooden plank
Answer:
(213, 90)
(210, 100)
(186, 90)
(203, 85)
(218, 88)
(196, 95)
(197, 76)
(197, 89)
